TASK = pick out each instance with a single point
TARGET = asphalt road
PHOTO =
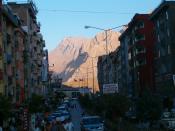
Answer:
(76, 114)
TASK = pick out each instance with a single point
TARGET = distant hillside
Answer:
(71, 57)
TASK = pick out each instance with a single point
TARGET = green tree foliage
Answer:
(119, 105)
(168, 103)
(5, 107)
(111, 106)
(149, 107)
(85, 101)
(36, 104)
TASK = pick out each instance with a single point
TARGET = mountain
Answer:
(74, 56)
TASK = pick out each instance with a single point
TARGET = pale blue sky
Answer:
(55, 25)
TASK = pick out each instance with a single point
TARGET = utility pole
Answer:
(87, 77)
(107, 72)
(93, 74)
(106, 35)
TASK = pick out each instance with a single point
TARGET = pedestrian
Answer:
(69, 126)
(48, 126)
(12, 127)
(37, 128)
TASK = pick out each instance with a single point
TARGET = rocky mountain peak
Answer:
(71, 57)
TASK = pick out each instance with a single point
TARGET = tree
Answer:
(116, 105)
(168, 102)
(149, 107)
(5, 107)
(85, 101)
(36, 103)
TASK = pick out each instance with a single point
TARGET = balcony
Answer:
(8, 38)
(1, 74)
(140, 56)
(139, 37)
(8, 58)
(140, 25)
(1, 52)
(140, 62)
(39, 62)
(139, 49)
(140, 31)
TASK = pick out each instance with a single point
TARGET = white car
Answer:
(62, 108)
(63, 116)
(92, 123)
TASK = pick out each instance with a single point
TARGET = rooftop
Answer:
(163, 5)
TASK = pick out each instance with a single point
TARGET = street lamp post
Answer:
(106, 33)
(106, 36)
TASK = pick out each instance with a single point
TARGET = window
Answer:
(139, 37)
(129, 55)
(133, 41)
(168, 32)
(169, 49)
(158, 53)
(141, 25)
(158, 23)
(140, 49)
(140, 62)
(166, 15)
(158, 38)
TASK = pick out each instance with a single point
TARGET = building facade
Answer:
(124, 39)
(163, 18)
(140, 54)
(108, 69)
(21, 52)
(34, 48)
(12, 66)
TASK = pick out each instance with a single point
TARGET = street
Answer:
(76, 114)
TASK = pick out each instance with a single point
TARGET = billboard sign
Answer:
(110, 88)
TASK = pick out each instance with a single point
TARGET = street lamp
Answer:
(106, 32)
(106, 36)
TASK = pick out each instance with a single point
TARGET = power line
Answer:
(85, 11)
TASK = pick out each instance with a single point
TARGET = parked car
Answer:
(63, 116)
(51, 118)
(62, 108)
(92, 123)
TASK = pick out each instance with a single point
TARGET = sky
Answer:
(64, 18)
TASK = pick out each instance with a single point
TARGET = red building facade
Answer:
(140, 53)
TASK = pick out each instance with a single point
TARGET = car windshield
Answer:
(95, 120)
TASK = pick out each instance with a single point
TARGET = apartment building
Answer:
(124, 83)
(163, 18)
(34, 48)
(12, 67)
(109, 69)
(140, 54)
(100, 72)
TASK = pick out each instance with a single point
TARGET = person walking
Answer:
(37, 128)
(69, 125)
